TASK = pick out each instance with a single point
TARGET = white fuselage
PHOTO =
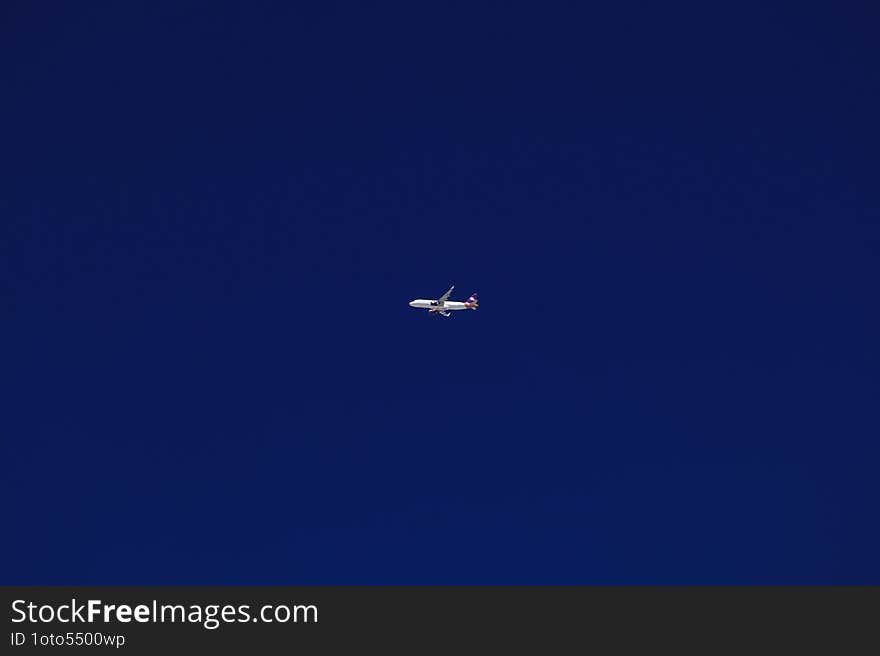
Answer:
(448, 305)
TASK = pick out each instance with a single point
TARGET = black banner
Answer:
(412, 619)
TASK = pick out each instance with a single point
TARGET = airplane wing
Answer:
(443, 298)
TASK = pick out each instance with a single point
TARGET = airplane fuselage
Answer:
(427, 304)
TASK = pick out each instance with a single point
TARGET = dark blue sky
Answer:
(213, 215)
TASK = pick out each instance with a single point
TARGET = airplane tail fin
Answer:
(472, 302)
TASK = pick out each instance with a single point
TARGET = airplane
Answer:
(442, 307)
